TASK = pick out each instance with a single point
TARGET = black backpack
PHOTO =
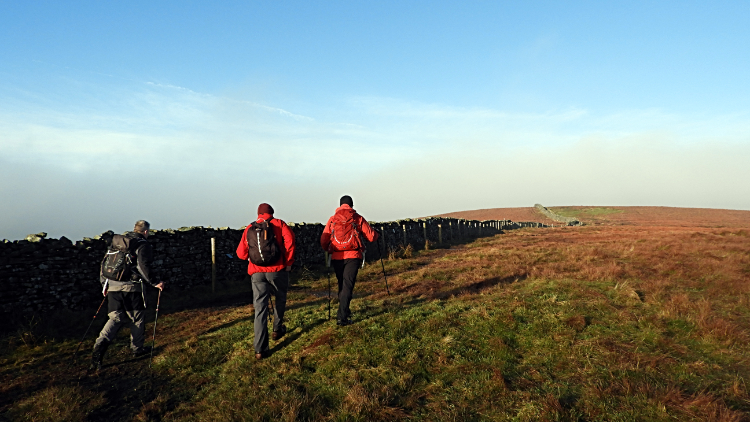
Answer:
(118, 261)
(262, 249)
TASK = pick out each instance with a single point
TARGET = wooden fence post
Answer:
(213, 265)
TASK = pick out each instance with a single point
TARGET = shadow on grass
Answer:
(432, 289)
(293, 306)
(290, 338)
(237, 293)
(479, 286)
(365, 316)
(45, 384)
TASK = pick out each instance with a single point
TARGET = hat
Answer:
(265, 209)
(346, 199)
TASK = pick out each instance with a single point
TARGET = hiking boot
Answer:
(97, 356)
(261, 355)
(344, 322)
(279, 334)
(141, 351)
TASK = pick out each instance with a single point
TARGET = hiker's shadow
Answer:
(294, 336)
(252, 316)
(227, 325)
(291, 338)
(477, 287)
(305, 304)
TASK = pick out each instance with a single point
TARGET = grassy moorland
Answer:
(593, 323)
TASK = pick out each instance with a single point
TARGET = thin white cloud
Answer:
(214, 98)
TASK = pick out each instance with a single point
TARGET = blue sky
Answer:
(192, 113)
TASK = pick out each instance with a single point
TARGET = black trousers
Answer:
(346, 273)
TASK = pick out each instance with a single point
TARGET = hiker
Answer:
(342, 238)
(268, 245)
(124, 269)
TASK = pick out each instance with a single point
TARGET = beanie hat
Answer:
(346, 199)
(265, 209)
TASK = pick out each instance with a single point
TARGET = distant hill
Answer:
(639, 216)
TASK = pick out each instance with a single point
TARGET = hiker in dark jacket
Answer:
(125, 298)
(269, 274)
(346, 251)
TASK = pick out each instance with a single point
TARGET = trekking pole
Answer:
(153, 341)
(328, 264)
(87, 330)
(380, 252)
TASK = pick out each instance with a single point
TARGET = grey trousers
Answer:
(265, 285)
(124, 308)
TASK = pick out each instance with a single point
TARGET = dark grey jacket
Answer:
(140, 272)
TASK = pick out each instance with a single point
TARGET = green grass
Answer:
(514, 347)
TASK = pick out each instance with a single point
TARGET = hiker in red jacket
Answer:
(268, 245)
(342, 238)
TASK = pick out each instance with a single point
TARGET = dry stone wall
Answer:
(39, 274)
(571, 221)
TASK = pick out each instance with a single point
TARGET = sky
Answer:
(192, 113)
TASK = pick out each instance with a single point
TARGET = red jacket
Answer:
(284, 236)
(364, 228)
